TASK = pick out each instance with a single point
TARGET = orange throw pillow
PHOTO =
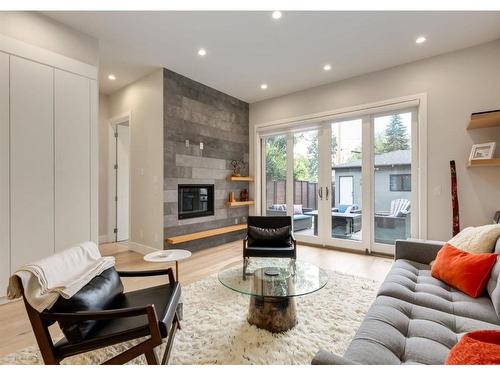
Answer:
(476, 348)
(464, 271)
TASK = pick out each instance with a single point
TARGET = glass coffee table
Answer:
(272, 285)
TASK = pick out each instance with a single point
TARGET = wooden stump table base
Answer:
(274, 314)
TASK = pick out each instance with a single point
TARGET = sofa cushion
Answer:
(462, 270)
(100, 293)
(301, 217)
(399, 332)
(412, 282)
(493, 286)
(477, 240)
(269, 237)
(476, 348)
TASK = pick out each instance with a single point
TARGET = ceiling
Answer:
(246, 49)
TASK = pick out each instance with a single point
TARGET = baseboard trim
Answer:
(104, 239)
(141, 248)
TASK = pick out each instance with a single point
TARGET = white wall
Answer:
(41, 31)
(144, 100)
(457, 84)
(103, 124)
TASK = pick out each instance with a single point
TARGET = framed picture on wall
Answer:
(482, 151)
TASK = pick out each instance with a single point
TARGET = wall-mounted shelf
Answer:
(240, 178)
(484, 163)
(480, 120)
(206, 233)
(240, 203)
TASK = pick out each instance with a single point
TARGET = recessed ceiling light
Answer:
(202, 52)
(111, 77)
(277, 15)
(263, 86)
(420, 39)
(327, 67)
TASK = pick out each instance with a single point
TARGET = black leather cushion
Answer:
(99, 294)
(269, 237)
(270, 252)
(165, 299)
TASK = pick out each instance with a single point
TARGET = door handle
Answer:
(327, 192)
(320, 193)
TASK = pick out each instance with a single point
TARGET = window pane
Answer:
(346, 190)
(392, 177)
(276, 166)
(305, 182)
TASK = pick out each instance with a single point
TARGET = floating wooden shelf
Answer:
(481, 120)
(240, 178)
(484, 163)
(240, 203)
(204, 234)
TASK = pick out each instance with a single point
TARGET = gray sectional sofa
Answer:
(417, 319)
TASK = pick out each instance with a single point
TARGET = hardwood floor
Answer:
(15, 330)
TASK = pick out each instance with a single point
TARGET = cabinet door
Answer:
(72, 159)
(31, 161)
(4, 174)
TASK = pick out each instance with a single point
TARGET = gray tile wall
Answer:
(199, 113)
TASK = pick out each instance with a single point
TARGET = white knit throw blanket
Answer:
(62, 274)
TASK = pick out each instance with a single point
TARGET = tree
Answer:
(276, 158)
(313, 152)
(379, 143)
(301, 170)
(395, 135)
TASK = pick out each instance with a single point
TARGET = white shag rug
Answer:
(215, 329)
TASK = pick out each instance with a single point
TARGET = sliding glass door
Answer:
(348, 182)
(394, 179)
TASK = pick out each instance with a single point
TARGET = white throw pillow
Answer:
(477, 240)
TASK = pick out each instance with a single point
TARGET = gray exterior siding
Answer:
(383, 194)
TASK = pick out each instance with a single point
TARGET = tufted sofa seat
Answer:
(412, 282)
(417, 319)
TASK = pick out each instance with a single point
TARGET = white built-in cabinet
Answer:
(31, 161)
(72, 158)
(48, 160)
(4, 173)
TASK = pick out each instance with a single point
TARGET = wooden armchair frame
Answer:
(40, 323)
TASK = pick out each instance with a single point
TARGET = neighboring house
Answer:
(392, 180)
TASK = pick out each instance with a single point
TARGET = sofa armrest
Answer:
(324, 357)
(421, 251)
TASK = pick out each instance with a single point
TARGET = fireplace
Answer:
(195, 201)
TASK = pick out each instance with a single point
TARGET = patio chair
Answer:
(400, 208)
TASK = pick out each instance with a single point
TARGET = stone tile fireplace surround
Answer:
(198, 113)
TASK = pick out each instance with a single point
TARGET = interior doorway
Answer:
(121, 177)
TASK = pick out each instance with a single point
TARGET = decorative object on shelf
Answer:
(454, 199)
(496, 218)
(482, 151)
(231, 197)
(244, 195)
(238, 165)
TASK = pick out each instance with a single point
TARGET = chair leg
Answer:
(293, 265)
(245, 265)
(175, 325)
(151, 358)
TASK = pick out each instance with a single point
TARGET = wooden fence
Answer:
(305, 193)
